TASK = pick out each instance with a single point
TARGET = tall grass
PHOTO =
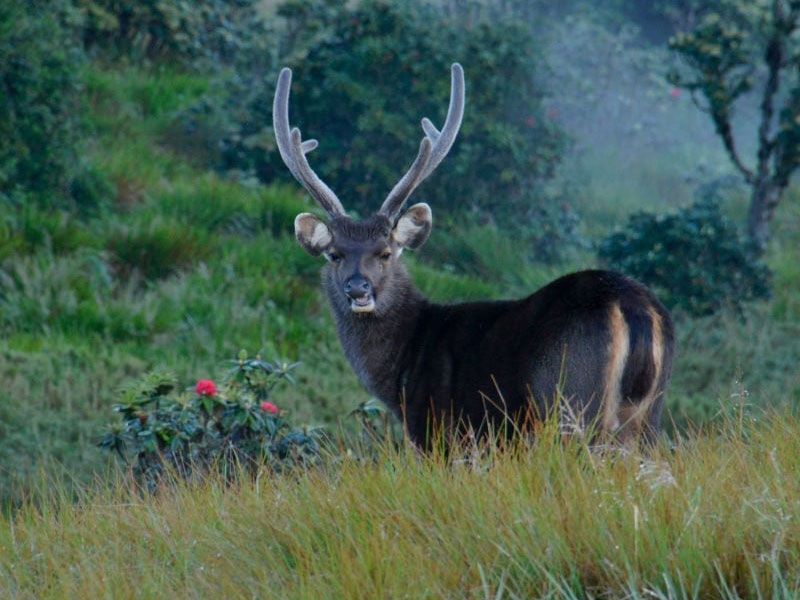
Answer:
(717, 516)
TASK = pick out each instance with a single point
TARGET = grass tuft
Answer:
(716, 516)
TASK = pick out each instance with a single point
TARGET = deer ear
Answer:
(312, 234)
(414, 227)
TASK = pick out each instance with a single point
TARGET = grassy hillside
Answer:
(146, 238)
(183, 269)
(180, 273)
(716, 517)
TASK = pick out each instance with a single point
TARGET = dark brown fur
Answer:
(597, 339)
(477, 363)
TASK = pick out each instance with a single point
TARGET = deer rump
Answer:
(596, 346)
(597, 340)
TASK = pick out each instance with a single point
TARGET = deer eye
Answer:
(334, 257)
(385, 255)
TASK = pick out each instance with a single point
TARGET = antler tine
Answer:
(403, 188)
(293, 150)
(443, 140)
(440, 143)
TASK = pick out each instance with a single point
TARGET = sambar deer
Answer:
(596, 340)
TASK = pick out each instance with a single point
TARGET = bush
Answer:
(44, 294)
(366, 74)
(192, 33)
(40, 101)
(26, 228)
(156, 249)
(695, 258)
(219, 206)
(91, 191)
(229, 427)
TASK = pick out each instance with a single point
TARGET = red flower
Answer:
(675, 92)
(206, 387)
(270, 408)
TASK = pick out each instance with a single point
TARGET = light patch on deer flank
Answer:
(633, 418)
(618, 348)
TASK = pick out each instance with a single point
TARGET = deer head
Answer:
(364, 255)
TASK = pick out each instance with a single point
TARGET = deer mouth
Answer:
(363, 304)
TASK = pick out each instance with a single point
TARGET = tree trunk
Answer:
(766, 196)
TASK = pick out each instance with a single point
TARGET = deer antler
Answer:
(434, 147)
(293, 149)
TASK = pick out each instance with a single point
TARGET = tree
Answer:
(737, 46)
(203, 34)
(40, 98)
(367, 72)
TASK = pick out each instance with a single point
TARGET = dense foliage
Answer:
(230, 427)
(192, 33)
(40, 99)
(366, 73)
(695, 258)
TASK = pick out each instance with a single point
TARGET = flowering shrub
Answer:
(206, 387)
(229, 425)
(269, 407)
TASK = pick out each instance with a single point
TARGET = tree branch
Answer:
(725, 131)
(774, 57)
(786, 151)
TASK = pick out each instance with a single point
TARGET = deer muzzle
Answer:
(359, 291)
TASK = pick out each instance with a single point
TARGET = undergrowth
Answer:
(715, 515)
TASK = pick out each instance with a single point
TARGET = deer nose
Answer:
(357, 287)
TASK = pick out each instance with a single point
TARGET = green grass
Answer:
(147, 98)
(180, 268)
(717, 516)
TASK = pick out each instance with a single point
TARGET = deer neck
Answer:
(375, 343)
